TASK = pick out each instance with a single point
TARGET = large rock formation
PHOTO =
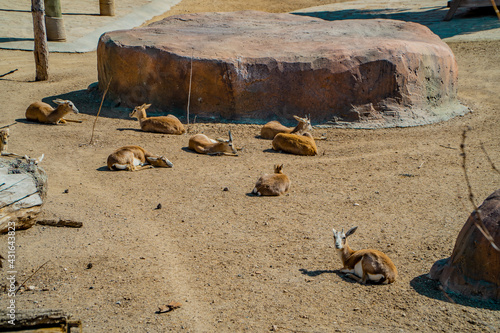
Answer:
(261, 66)
(474, 266)
(23, 187)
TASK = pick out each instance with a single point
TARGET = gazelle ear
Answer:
(298, 118)
(351, 231)
(230, 137)
(334, 231)
(40, 158)
(146, 106)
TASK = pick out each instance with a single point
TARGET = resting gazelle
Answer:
(363, 265)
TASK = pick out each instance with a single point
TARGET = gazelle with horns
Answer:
(363, 265)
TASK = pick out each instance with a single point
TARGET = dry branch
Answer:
(29, 277)
(60, 223)
(479, 220)
(99, 111)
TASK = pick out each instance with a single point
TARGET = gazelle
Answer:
(44, 113)
(295, 144)
(274, 184)
(4, 140)
(134, 158)
(164, 124)
(363, 265)
(202, 144)
(274, 127)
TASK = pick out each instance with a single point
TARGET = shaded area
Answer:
(319, 272)
(464, 22)
(430, 288)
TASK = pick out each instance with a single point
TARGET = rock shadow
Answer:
(464, 21)
(425, 286)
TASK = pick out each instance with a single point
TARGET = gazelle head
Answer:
(160, 162)
(69, 104)
(138, 110)
(4, 135)
(341, 238)
(231, 145)
(304, 123)
(33, 161)
(278, 168)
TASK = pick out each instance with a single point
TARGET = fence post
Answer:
(107, 7)
(54, 22)
(41, 51)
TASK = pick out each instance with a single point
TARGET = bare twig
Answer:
(29, 277)
(12, 71)
(477, 221)
(489, 159)
(447, 147)
(98, 112)
(189, 92)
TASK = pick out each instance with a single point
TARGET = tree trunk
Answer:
(41, 51)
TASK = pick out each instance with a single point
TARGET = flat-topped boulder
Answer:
(256, 66)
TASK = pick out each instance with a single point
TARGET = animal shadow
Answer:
(317, 272)
(103, 168)
(271, 150)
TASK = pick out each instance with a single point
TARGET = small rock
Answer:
(225, 189)
(90, 265)
(66, 191)
(159, 206)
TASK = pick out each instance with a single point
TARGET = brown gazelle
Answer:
(44, 113)
(273, 184)
(202, 144)
(134, 158)
(164, 124)
(274, 127)
(4, 140)
(295, 144)
(363, 265)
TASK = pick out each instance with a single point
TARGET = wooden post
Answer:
(107, 7)
(41, 51)
(53, 21)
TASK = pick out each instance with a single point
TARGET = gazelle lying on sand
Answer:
(202, 144)
(295, 144)
(274, 127)
(44, 113)
(134, 158)
(4, 140)
(165, 124)
(363, 265)
(274, 184)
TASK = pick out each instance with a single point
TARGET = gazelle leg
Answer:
(354, 277)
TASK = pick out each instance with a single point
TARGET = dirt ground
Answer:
(239, 263)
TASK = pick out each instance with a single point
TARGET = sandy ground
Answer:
(235, 262)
